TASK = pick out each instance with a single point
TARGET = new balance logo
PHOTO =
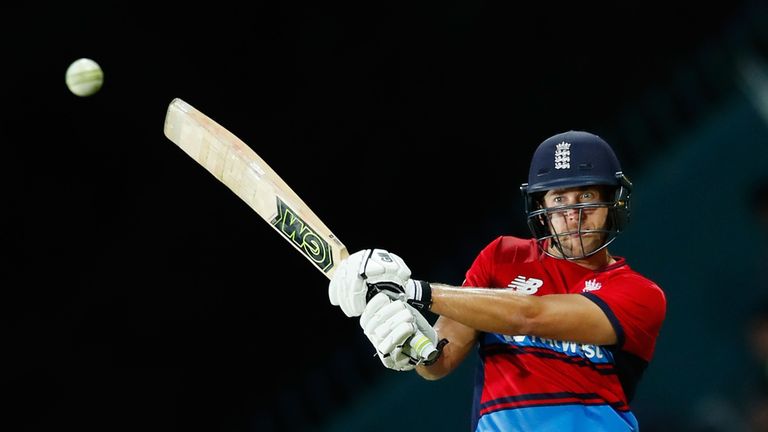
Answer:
(591, 285)
(525, 285)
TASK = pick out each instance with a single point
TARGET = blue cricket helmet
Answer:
(574, 159)
(571, 159)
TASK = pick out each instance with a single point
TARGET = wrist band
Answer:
(422, 295)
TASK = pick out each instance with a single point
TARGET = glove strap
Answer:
(373, 289)
(418, 293)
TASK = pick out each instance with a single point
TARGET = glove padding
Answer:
(353, 282)
(389, 324)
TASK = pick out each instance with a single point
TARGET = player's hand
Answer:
(390, 324)
(363, 274)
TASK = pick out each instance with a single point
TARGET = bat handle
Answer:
(422, 347)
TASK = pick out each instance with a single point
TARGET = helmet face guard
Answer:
(541, 225)
(569, 160)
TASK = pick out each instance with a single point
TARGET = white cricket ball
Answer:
(84, 77)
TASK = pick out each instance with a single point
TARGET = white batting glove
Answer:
(390, 324)
(352, 282)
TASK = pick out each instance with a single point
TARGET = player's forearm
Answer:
(569, 317)
(489, 310)
(461, 340)
(442, 367)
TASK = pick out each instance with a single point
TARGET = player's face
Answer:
(572, 226)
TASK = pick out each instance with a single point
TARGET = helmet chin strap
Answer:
(562, 255)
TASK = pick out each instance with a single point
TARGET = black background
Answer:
(140, 294)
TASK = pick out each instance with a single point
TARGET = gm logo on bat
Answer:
(297, 231)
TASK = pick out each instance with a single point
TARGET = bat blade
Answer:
(246, 174)
(249, 177)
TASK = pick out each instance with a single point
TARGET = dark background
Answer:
(140, 294)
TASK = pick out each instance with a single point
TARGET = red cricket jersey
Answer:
(526, 382)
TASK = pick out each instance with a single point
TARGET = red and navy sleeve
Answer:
(636, 308)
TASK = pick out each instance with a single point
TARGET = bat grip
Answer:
(422, 347)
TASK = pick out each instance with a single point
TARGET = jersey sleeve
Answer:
(636, 308)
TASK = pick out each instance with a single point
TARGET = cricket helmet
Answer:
(574, 159)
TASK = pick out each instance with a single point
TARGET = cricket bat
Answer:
(246, 174)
